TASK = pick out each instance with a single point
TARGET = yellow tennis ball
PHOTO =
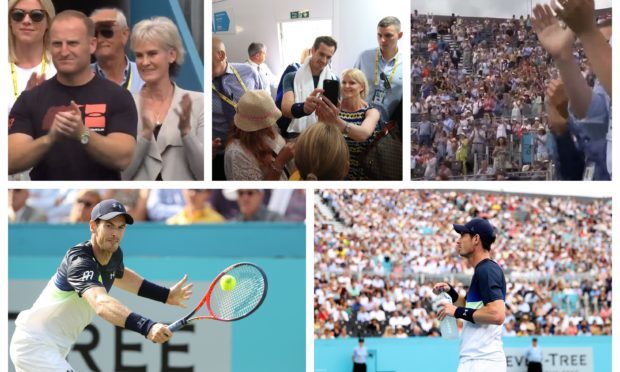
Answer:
(228, 282)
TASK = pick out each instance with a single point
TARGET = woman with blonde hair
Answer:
(321, 153)
(29, 58)
(254, 149)
(170, 141)
(355, 118)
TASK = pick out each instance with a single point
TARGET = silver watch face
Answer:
(84, 138)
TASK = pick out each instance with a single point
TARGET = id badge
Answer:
(588, 173)
(378, 97)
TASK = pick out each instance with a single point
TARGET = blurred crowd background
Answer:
(171, 206)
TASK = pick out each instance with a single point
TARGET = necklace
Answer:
(163, 105)
(159, 117)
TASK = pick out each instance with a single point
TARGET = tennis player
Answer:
(483, 307)
(45, 333)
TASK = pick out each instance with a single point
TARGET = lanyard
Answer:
(222, 96)
(127, 84)
(14, 75)
(377, 68)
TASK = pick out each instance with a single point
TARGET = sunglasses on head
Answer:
(105, 31)
(36, 15)
(386, 82)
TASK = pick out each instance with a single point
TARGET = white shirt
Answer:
(377, 314)
(56, 316)
(359, 355)
(22, 75)
(268, 78)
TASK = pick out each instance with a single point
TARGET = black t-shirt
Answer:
(79, 270)
(105, 107)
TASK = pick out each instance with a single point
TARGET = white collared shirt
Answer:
(268, 78)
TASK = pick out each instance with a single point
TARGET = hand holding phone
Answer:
(331, 90)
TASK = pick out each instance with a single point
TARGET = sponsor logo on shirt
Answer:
(88, 275)
(93, 116)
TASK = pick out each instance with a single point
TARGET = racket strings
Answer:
(243, 298)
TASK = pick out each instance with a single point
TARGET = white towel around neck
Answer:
(303, 85)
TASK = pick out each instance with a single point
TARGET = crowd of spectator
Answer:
(379, 252)
(478, 83)
(170, 206)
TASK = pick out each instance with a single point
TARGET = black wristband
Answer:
(298, 110)
(153, 291)
(453, 294)
(465, 314)
(138, 323)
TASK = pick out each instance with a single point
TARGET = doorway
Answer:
(300, 34)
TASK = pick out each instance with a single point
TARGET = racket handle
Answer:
(177, 325)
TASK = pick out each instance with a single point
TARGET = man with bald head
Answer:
(76, 125)
(230, 82)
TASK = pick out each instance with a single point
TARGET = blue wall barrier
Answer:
(232, 239)
(435, 354)
(163, 253)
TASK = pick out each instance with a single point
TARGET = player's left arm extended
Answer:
(491, 313)
(134, 283)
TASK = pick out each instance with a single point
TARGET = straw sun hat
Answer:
(255, 111)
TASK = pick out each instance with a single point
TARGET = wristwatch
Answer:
(85, 137)
(346, 129)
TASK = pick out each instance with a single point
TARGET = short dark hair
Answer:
(327, 40)
(255, 48)
(67, 14)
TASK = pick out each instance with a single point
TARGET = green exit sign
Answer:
(300, 14)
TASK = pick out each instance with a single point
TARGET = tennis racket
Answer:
(234, 304)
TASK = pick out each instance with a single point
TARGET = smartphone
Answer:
(331, 90)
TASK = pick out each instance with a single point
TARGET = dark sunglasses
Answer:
(246, 192)
(86, 203)
(36, 15)
(386, 82)
(105, 31)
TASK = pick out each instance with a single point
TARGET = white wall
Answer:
(354, 25)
